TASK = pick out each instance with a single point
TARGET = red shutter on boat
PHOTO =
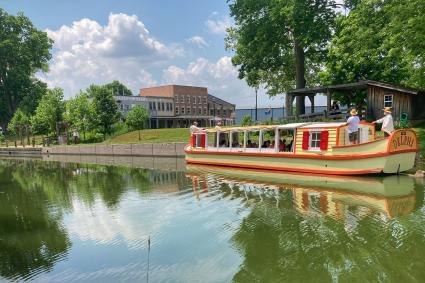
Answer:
(203, 140)
(306, 138)
(324, 137)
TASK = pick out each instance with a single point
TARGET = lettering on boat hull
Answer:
(402, 140)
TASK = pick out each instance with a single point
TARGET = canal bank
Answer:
(153, 149)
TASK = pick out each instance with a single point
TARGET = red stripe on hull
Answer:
(288, 169)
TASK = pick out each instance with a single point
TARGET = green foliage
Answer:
(274, 38)
(137, 118)
(24, 50)
(79, 113)
(246, 121)
(104, 107)
(49, 111)
(117, 88)
(18, 122)
(378, 40)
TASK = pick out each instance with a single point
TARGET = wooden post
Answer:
(328, 104)
(311, 97)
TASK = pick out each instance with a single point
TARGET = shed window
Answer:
(388, 100)
(314, 141)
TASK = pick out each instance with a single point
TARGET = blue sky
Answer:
(141, 43)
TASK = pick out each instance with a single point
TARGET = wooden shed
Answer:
(379, 95)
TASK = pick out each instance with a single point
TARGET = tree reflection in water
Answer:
(35, 195)
(307, 234)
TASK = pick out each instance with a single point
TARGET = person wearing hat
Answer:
(194, 128)
(387, 122)
(353, 127)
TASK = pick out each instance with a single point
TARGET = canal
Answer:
(86, 222)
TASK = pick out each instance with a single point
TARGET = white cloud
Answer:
(221, 79)
(198, 41)
(87, 52)
(218, 25)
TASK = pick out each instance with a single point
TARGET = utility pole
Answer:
(256, 110)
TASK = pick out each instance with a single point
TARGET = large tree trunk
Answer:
(299, 75)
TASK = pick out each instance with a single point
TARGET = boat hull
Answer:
(389, 163)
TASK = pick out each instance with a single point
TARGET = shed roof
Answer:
(351, 86)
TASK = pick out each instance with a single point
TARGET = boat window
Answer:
(252, 139)
(286, 140)
(237, 139)
(268, 140)
(212, 139)
(315, 140)
(223, 139)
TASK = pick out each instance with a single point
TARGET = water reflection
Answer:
(63, 221)
(316, 228)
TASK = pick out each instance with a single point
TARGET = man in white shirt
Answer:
(387, 122)
(353, 127)
(194, 128)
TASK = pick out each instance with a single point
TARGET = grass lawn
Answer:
(152, 136)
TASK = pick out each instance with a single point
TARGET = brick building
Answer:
(178, 106)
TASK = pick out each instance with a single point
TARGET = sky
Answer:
(141, 43)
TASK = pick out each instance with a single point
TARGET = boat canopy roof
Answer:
(324, 125)
(257, 128)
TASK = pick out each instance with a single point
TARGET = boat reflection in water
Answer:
(317, 195)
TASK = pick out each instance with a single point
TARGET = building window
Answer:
(211, 112)
(199, 111)
(176, 98)
(224, 112)
(388, 100)
(314, 141)
(205, 110)
(182, 110)
(171, 106)
(188, 99)
(177, 110)
(163, 106)
(199, 100)
(205, 100)
(181, 98)
(188, 110)
(194, 100)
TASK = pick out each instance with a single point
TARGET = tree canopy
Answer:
(117, 88)
(105, 108)
(80, 113)
(24, 50)
(280, 43)
(378, 40)
(48, 112)
(136, 118)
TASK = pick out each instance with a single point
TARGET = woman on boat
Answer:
(387, 122)
(353, 127)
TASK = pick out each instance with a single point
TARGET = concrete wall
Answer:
(160, 149)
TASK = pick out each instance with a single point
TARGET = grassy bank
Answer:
(152, 136)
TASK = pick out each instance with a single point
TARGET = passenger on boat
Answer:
(194, 128)
(282, 145)
(223, 143)
(353, 127)
(289, 146)
(249, 144)
(272, 144)
(387, 122)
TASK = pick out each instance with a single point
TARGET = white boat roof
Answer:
(324, 125)
(292, 125)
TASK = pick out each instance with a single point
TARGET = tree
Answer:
(378, 40)
(48, 112)
(280, 43)
(105, 108)
(19, 124)
(137, 118)
(117, 88)
(246, 121)
(24, 50)
(79, 113)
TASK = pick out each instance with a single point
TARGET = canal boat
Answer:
(321, 148)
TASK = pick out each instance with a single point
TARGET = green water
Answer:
(62, 222)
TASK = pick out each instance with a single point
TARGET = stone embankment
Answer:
(165, 150)
(21, 151)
